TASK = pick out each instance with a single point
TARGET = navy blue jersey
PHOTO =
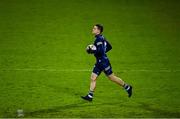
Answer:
(102, 46)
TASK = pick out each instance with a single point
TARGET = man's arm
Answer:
(108, 46)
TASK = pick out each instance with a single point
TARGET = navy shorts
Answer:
(103, 65)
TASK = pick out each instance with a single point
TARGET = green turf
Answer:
(42, 50)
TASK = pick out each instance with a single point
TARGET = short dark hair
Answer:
(100, 27)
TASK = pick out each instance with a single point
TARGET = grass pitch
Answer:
(44, 68)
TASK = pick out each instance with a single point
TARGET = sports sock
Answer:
(126, 86)
(90, 94)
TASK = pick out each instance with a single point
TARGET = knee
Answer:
(111, 77)
(93, 78)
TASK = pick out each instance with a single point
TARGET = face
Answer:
(95, 30)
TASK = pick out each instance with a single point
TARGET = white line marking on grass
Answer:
(89, 70)
(52, 70)
(149, 70)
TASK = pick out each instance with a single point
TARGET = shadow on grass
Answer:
(58, 109)
(61, 109)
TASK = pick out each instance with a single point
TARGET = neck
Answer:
(97, 34)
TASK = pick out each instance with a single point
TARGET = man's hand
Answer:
(91, 49)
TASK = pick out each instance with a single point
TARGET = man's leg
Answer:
(120, 82)
(116, 79)
(93, 82)
(89, 96)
